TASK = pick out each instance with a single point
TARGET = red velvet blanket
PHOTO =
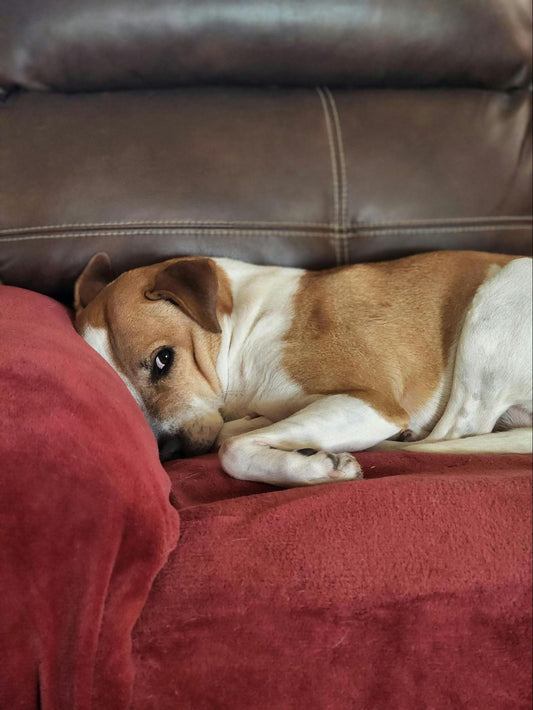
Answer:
(410, 589)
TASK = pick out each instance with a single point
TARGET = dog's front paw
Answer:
(256, 459)
(324, 465)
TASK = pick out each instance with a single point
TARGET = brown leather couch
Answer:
(302, 132)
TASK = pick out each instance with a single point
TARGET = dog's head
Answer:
(159, 328)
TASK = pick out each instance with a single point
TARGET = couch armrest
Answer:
(85, 520)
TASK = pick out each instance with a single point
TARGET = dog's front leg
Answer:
(310, 446)
(240, 426)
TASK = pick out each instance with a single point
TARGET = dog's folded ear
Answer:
(192, 285)
(93, 278)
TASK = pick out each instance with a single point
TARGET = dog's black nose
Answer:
(170, 447)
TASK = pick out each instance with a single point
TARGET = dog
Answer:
(289, 371)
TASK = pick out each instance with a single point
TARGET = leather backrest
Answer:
(300, 177)
(115, 44)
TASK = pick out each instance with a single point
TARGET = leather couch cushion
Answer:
(104, 44)
(85, 521)
(301, 177)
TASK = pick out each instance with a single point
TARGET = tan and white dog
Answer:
(290, 370)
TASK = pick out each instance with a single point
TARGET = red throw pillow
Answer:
(85, 521)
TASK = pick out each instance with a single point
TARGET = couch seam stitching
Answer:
(143, 232)
(450, 230)
(343, 183)
(169, 223)
(358, 233)
(334, 172)
(221, 224)
(442, 220)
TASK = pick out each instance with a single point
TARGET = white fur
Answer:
(249, 363)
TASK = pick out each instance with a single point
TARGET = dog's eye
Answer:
(162, 362)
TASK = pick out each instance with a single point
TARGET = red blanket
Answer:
(411, 589)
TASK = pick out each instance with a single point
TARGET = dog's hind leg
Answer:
(514, 441)
(493, 366)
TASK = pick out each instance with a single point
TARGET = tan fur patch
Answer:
(225, 297)
(383, 332)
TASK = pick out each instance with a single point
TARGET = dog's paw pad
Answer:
(345, 466)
